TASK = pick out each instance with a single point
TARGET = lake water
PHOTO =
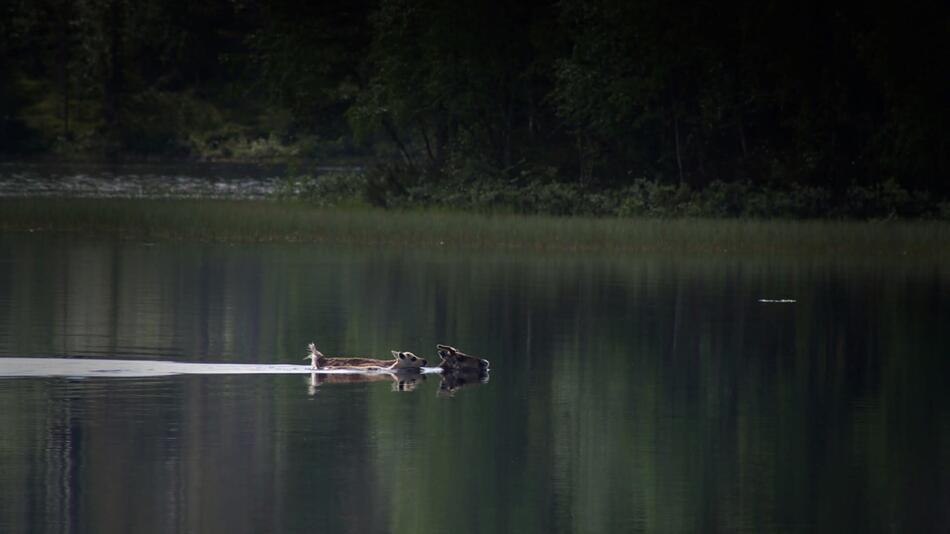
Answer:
(652, 394)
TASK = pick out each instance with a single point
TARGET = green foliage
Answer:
(794, 202)
(600, 107)
(534, 192)
(888, 200)
(943, 211)
(654, 199)
(445, 78)
(327, 189)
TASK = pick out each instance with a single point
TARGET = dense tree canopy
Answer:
(595, 92)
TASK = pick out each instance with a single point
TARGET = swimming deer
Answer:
(401, 362)
(452, 358)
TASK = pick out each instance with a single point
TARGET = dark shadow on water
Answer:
(450, 381)
(454, 380)
(401, 382)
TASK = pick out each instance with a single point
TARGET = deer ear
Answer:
(395, 353)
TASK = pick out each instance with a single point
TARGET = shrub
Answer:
(652, 198)
(796, 201)
(887, 199)
(943, 211)
(537, 191)
(326, 189)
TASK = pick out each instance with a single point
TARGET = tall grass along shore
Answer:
(292, 221)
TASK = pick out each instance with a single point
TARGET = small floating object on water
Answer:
(778, 301)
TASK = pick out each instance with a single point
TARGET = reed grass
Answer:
(291, 221)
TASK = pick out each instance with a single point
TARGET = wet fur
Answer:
(319, 361)
(334, 363)
(452, 358)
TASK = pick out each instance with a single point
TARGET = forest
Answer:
(602, 107)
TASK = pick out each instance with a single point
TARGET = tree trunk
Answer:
(64, 63)
(509, 118)
(391, 130)
(742, 143)
(113, 84)
(425, 138)
(585, 159)
(676, 139)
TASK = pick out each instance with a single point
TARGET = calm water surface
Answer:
(626, 395)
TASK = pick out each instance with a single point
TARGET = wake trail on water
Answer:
(87, 368)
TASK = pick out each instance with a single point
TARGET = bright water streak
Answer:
(86, 368)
